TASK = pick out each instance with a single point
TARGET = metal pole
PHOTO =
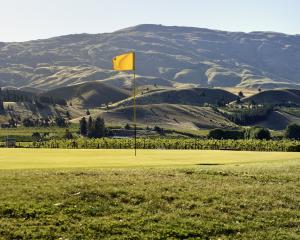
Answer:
(134, 111)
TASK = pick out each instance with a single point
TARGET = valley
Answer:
(188, 79)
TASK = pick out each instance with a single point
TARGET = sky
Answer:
(23, 20)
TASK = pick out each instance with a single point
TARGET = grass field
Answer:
(25, 133)
(91, 158)
(110, 194)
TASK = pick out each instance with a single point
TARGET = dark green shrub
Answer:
(225, 134)
(60, 122)
(36, 136)
(159, 130)
(259, 133)
(27, 122)
(293, 131)
(68, 134)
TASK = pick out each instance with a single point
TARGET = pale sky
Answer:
(34, 19)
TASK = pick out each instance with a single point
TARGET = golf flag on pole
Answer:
(124, 62)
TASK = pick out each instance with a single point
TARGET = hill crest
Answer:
(209, 57)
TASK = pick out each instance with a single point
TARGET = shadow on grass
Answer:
(210, 164)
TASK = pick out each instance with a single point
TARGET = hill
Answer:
(179, 117)
(188, 96)
(168, 53)
(183, 109)
(21, 110)
(90, 94)
(279, 120)
(276, 96)
(19, 104)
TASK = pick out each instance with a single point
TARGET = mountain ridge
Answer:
(197, 55)
(150, 25)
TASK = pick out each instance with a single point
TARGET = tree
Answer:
(1, 106)
(293, 131)
(68, 134)
(127, 127)
(60, 122)
(83, 126)
(159, 130)
(99, 128)
(36, 136)
(241, 94)
(90, 127)
(225, 134)
(27, 122)
(95, 129)
(258, 133)
(45, 122)
(12, 123)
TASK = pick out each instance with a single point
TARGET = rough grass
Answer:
(25, 133)
(209, 197)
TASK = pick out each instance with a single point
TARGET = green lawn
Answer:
(110, 194)
(24, 134)
(91, 158)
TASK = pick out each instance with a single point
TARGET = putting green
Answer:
(90, 158)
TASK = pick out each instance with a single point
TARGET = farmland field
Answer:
(160, 194)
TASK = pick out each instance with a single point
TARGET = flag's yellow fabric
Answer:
(124, 62)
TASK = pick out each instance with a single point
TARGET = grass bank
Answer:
(102, 194)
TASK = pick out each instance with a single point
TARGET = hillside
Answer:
(276, 96)
(21, 110)
(164, 53)
(183, 109)
(279, 120)
(90, 94)
(189, 96)
(179, 117)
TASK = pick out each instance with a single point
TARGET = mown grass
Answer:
(107, 158)
(203, 199)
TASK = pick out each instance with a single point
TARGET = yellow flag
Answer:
(124, 62)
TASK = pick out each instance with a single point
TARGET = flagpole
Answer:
(134, 111)
(126, 62)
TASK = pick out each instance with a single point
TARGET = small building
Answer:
(10, 142)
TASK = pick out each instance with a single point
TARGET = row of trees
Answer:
(260, 133)
(93, 128)
(249, 116)
(250, 133)
(45, 122)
